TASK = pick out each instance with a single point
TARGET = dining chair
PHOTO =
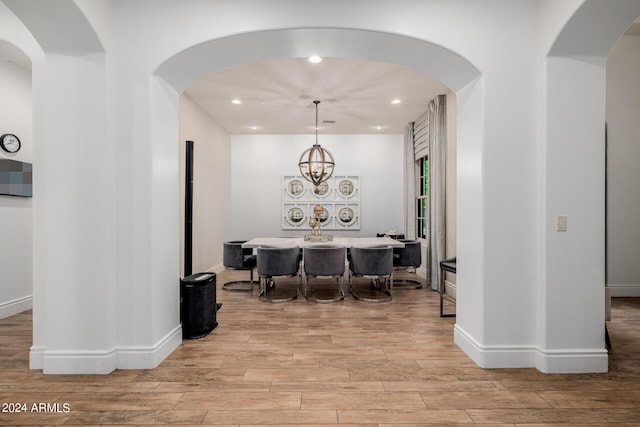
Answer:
(375, 263)
(324, 261)
(235, 257)
(277, 262)
(407, 258)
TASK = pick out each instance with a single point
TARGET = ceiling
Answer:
(277, 96)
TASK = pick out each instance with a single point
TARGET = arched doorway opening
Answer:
(448, 67)
(574, 125)
(16, 213)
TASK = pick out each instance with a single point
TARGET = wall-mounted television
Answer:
(16, 178)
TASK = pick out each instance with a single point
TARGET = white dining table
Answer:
(344, 241)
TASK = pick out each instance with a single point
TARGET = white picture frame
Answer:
(339, 197)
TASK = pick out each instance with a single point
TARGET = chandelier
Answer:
(316, 163)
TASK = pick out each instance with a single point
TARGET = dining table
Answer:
(302, 243)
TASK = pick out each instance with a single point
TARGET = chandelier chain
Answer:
(316, 102)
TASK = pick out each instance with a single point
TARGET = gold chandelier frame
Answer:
(316, 163)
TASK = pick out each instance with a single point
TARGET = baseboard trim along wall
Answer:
(218, 268)
(450, 289)
(421, 272)
(622, 291)
(572, 361)
(78, 362)
(105, 362)
(141, 357)
(556, 361)
(16, 306)
(490, 357)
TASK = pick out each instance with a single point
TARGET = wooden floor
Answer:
(350, 363)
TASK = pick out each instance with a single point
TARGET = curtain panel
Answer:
(436, 250)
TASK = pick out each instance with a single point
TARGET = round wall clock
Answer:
(10, 143)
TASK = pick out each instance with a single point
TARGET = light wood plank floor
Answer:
(351, 363)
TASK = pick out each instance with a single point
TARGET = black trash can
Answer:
(198, 306)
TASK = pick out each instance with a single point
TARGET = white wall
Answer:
(623, 174)
(570, 170)
(211, 185)
(452, 193)
(258, 163)
(16, 229)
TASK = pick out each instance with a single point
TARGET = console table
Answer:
(450, 266)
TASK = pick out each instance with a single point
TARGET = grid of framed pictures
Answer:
(339, 197)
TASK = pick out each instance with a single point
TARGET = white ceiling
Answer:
(277, 96)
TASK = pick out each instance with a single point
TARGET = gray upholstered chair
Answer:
(277, 262)
(407, 258)
(376, 263)
(325, 261)
(235, 257)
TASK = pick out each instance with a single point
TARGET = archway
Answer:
(435, 61)
(448, 67)
(194, 62)
(16, 213)
(572, 265)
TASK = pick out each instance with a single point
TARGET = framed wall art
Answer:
(339, 197)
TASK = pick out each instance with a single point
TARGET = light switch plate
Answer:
(561, 223)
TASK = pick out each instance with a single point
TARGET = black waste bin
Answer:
(198, 306)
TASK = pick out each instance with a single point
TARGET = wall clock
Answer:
(10, 143)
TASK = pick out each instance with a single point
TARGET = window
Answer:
(422, 198)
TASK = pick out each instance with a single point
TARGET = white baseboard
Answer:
(141, 357)
(571, 361)
(36, 357)
(450, 288)
(490, 357)
(78, 362)
(626, 290)
(555, 361)
(16, 306)
(104, 362)
(218, 268)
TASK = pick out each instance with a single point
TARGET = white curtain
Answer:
(409, 184)
(436, 250)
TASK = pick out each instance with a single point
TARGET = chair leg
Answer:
(383, 291)
(268, 283)
(339, 297)
(240, 285)
(406, 283)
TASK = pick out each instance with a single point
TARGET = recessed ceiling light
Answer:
(254, 127)
(314, 59)
(396, 101)
(378, 127)
(236, 101)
